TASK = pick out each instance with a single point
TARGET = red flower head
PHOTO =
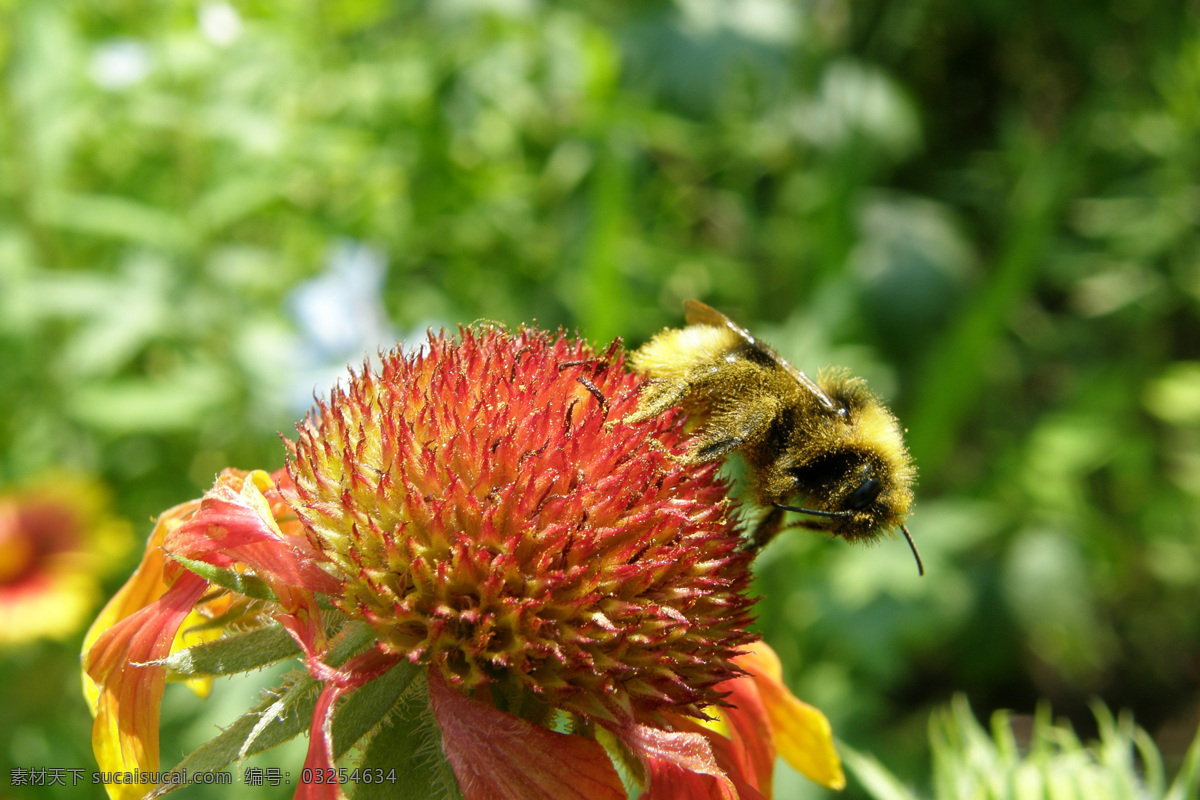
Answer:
(468, 526)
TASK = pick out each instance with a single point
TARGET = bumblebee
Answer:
(830, 441)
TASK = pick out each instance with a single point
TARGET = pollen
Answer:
(485, 510)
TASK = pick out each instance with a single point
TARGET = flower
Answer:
(495, 588)
(56, 541)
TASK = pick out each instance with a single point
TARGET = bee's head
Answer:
(856, 495)
(868, 500)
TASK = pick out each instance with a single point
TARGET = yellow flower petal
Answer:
(801, 732)
(156, 613)
(117, 750)
(192, 633)
(143, 587)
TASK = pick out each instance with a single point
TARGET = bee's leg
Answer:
(730, 430)
(657, 397)
(771, 523)
(711, 450)
(702, 452)
(764, 531)
(595, 392)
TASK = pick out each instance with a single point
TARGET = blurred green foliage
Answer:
(989, 210)
(1033, 758)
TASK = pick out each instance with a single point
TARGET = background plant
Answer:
(1046, 760)
(988, 210)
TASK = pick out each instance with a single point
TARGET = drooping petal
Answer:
(670, 782)
(130, 685)
(319, 761)
(801, 733)
(498, 756)
(145, 586)
(304, 624)
(680, 763)
(237, 523)
(744, 746)
(358, 671)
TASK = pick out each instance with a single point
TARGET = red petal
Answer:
(748, 784)
(362, 669)
(670, 782)
(498, 756)
(145, 585)
(319, 760)
(125, 732)
(238, 524)
(305, 625)
(680, 763)
(750, 750)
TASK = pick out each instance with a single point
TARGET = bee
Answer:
(830, 441)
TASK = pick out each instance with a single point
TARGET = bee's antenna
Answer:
(812, 511)
(913, 546)
(836, 514)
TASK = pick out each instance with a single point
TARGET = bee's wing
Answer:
(698, 313)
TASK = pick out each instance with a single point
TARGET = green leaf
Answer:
(232, 201)
(1187, 782)
(238, 652)
(354, 638)
(629, 767)
(407, 747)
(875, 778)
(243, 584)
(361, 713)
(278, 719)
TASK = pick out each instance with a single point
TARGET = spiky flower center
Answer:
(486, 516)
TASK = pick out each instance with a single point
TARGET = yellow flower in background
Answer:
(492, 592)
(57, 540)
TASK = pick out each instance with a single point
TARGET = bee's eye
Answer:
(864, 495)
